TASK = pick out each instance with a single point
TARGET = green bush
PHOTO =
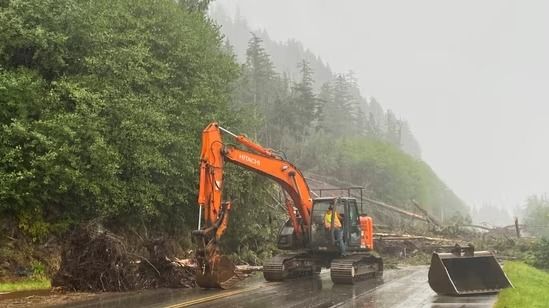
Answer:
(538, 255)
(38, 270)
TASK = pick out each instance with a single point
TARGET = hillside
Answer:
(334, 130)
(285, 55)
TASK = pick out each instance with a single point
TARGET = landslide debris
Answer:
(95, 259)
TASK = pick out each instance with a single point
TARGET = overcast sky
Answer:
(471, 77)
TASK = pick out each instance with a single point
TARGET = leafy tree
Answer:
(539, 254)
(195, 5)
(256, 216)
(101, 107)
(536, 215)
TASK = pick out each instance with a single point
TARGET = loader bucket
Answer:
(475, 273)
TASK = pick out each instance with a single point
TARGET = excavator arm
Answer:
(216, 270)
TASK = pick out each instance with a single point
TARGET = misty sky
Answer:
(471, 77)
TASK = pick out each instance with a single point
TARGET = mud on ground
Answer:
(43, 298)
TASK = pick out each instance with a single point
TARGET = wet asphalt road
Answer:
(405, 287)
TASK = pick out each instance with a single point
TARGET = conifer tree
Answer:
(303, 104)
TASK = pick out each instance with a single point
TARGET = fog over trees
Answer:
(327, 126)
(285, 58)
(468, 77)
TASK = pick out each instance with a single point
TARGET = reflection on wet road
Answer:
(406, 287)
(412, 290)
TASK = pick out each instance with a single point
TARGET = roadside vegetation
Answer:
(538, 255)
(35, 280)
(530, 287)
(25, 284)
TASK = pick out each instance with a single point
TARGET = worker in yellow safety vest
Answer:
(338, 231)
(328, 219)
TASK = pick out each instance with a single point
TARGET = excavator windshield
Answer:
(320, 207)
(320, 236)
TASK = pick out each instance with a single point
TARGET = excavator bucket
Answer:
(221, 273)
(466, 273)
(214, 270)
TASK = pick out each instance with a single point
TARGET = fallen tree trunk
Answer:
(398, 237)
(396, 209)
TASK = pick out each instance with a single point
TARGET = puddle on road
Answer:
(316, 291)
(412, 290)
(304, 292)
(464, 301)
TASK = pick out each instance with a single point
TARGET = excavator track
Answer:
(274, 268)
(289, 265)
(353, 268)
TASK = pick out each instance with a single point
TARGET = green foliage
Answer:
(387, 173)
(255, 216)
(195, 5)
(25, 284)
(38, 270)
(102, 104)
(538, 254)
(258, 92)
(530, 287)
(340, 114)
(302, 105)
(536, 215)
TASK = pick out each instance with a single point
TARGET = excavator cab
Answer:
(322, 238)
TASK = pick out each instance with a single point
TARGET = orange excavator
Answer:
(309, 242)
